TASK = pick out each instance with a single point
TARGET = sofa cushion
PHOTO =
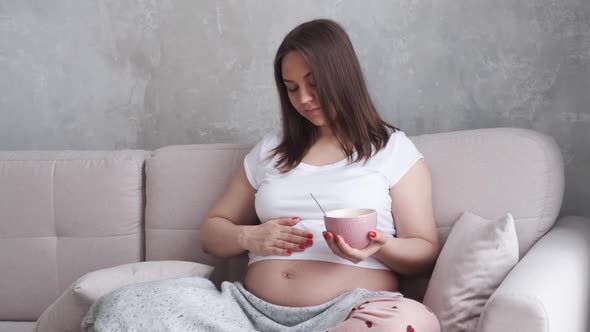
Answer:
(182, 184)
(63, 214)
(477, 256)
(66, 314)
(96, 284)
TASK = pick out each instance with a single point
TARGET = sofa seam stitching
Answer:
(53, 204)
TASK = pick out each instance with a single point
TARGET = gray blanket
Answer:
(194, 304)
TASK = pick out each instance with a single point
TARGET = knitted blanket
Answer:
(195, 304)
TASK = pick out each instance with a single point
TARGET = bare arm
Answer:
(417, 246)
(221, 233)
(232, 226)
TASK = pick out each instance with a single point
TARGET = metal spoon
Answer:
(316, 201)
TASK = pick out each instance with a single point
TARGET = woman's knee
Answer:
(390, 313)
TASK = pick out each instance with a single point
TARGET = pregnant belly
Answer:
(299, 283)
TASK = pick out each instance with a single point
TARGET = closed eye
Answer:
(297, 88)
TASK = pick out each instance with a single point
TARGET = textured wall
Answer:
(144, 74)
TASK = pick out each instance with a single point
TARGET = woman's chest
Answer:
(288, 195)
(324, 154)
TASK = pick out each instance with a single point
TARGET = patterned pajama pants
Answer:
(389, 313)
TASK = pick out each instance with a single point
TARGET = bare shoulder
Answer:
(412, 204)
(419, 173)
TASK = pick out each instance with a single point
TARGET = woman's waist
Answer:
(306, 283)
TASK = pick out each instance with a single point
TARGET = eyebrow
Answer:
(289, 81)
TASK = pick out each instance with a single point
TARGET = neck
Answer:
(326, 132)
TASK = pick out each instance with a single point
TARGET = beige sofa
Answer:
(66, 213)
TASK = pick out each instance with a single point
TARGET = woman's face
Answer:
(301, 88)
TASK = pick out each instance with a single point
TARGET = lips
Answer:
(312, 111)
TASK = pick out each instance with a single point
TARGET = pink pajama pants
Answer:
(389, 313)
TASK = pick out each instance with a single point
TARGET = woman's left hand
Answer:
(337, 244)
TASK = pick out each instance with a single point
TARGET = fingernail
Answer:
(310, 236)
(326, 235)
(289, 252)
(310, 242)
(301, 246)
(372, 234)
(337, 238)
(295, 218)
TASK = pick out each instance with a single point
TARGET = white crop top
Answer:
(335, 186)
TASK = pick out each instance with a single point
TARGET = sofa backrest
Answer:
(63, 214)
(182, 183)
(488, 172)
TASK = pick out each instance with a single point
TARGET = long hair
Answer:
(340, 86)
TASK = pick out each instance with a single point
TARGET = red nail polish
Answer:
(337, 238)
(295, 218)
(310, 236)
(289, 252)
(310, 242)
(326, 235)
(301, 246)
(372, 234)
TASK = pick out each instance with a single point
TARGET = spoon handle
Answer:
(316, 201)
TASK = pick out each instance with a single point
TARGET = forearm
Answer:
(220, 237)
(408, 256)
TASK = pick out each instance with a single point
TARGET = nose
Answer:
(307, 94)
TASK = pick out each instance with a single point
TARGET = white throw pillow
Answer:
(67, 312)
(476, 258)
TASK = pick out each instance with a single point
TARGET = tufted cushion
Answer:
(183, 183)
(63, 214)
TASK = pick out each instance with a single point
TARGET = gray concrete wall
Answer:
(144, 74)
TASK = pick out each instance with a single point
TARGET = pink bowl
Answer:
(352, 224)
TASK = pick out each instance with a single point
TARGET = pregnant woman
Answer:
(300, 277)
(335, 145)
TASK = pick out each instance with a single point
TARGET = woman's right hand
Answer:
(275, 237)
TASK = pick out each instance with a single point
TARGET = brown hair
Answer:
(340, 85)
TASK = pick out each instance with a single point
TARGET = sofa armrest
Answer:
(548, 290)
